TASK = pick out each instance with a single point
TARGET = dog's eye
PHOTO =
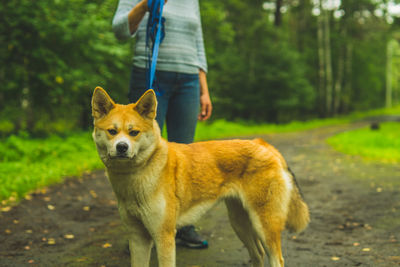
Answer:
(112, 131)
(133, 133)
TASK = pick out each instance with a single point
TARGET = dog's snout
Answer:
(122, 147)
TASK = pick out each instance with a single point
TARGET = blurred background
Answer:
(269, 61)
(274, 66)
(318, 79)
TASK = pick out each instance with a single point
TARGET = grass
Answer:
(382, 145)
(225, 129)
(28, 164)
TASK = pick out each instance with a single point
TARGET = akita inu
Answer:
(161, 185)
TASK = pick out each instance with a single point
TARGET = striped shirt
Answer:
(182, 49)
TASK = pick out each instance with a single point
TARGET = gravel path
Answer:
(354, 204)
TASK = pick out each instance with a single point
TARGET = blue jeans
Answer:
(178, 101)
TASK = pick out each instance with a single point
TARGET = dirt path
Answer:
(355, 209)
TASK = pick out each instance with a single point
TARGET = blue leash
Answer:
(156, 32)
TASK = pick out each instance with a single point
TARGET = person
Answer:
(180, 81)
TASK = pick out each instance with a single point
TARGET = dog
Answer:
(162, 185)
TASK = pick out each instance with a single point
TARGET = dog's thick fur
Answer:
(161, 185)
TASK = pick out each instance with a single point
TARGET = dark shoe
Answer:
(188, 237)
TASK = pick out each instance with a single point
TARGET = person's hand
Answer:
(146, 3)
(205, 101)
(205, 107)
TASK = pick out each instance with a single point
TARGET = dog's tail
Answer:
(298, 214)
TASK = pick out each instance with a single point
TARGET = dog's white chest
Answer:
(151, 212)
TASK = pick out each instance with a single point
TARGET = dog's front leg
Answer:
(140, 244)
(165, 244)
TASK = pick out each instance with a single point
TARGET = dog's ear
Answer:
(101, 103)
(146, 106)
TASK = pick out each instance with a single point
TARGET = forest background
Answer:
(269, 61)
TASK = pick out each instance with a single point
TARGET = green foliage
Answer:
(382, 144)
(27, 164)
(254, 72)
(6, 127)
(54, 54)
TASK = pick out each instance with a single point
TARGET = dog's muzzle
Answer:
(122, 148)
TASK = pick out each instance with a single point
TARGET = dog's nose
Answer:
(122, 147)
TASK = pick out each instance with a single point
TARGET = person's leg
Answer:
(183, 110)
(137, 87)
(137, 84)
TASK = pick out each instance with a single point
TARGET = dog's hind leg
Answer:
(272, 228)
(242, 225)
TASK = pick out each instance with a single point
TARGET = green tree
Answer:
(54, 54)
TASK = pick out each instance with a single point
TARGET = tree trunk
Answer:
(328, 63)
(321, 61)
(278, 14)
(339, 78)
(348, 65)
(389, 72)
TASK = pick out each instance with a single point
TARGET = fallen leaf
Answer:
(27, 247)
(28, 197)
(334, 258)
(356, 244)
(15, 221)
(294, 237)
(51, 207)
(379, 189)
(86, 208)
(367, 226)
(82, 259)
(44, 239)
(6, 209)
(31, 261)
(47, 199)
(51, 241)
(107, 245)
(28, 231)
(12, 198)
(7, 231)
(366, 249)
(93, 193)
(69, 236)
